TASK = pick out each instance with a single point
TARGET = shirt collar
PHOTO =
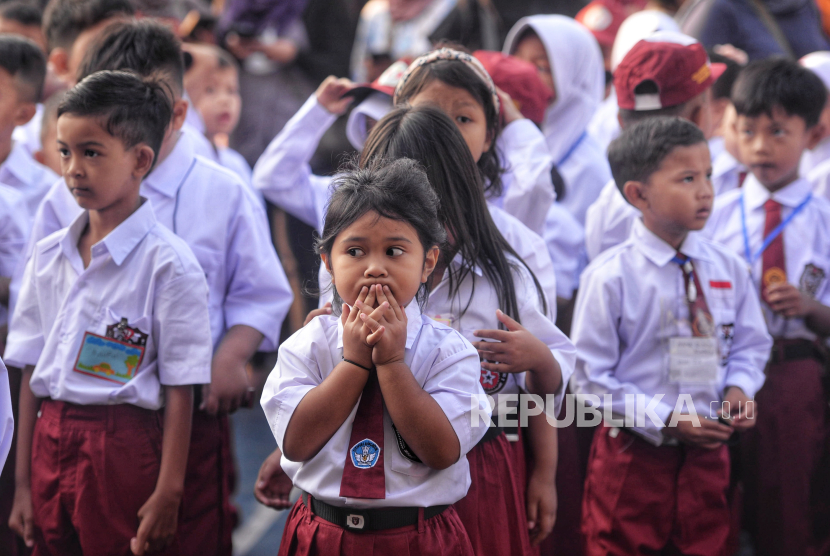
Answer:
(458, 260)
(661, 253)
(725, 163)
(168, 176)
(120, 242)
(413, 325)
(20, 164)
(755, 194)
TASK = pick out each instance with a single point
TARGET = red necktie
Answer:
(703, 325)
(741, 178)
(363, 475)
(772, 269)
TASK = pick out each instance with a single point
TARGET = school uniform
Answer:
(14, 230)
(565, 239)
(608, 221)
(792, 404)
(497, 467)
(221, 221)
(727, 172)
(579, 80)
(29, 134)
(6, 417)
(104, 340)
(340, 511)
(631, 326)
(234, 162)
(812, 158)
(27, 176)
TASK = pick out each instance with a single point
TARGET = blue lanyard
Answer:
(572, 149)
(750, 258)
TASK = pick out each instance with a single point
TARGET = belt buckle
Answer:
(355, 521)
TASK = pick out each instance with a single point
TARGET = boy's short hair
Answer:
(23, 13)
(641, 148)
(49, 117)
(25, 62)
(766, 84)
(145, 47)
(64, 20)
(127, 107)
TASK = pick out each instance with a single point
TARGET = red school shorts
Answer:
(93, 467)
(646, 499)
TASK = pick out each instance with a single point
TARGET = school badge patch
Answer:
(811, 279)
(492, 381)
(365, 454)
(123, 332)
(404, 448)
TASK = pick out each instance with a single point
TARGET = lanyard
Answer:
(750, 258)
(572, 149)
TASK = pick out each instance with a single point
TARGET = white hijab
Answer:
(578, 76)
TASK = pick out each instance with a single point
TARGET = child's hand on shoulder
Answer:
(710, 434)
(355, 332)
(330, 94)
(515, 350)
(158, 519)
(388, 329)
(787, 300)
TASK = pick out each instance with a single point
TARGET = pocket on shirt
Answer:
(142, 323)
(401, 463)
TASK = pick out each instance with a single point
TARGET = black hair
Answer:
(457, 74)
(50, 115)
(778, 82)
(26, 63)
(649, 87)
(129, 108)
(23, 13)
(398, 190)
(723, 86)
(145, 47)
(427, 135)
(64, 20)
(641, 148)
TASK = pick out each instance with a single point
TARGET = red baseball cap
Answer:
(385, 83)
(676, 63)
(520, 80)
(603, 19)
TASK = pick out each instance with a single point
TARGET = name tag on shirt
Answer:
(108, 358)
(693, 359)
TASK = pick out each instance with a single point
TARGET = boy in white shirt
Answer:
(781, 229)
(112, 324)
(672, 318)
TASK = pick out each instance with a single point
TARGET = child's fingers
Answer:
(491, 347)
(371, 323)
(379, 312)
(500, 335)
(138, 544)
(396, 307)
(507, 321)
(371, 299)
(375, 337)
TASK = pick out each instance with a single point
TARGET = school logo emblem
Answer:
(404, 448)
(492, 381)
(726, 334)
(774, 275)
(365, 454)
(355, 521)
(811, 279)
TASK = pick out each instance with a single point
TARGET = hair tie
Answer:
(450, 54)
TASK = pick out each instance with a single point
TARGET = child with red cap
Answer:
(667, 74)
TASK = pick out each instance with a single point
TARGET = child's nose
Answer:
(375, 268)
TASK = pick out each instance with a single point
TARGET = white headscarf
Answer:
(578, 77)
(375, 106)
(637, 27)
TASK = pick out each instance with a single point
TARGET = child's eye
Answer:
(688, 179)
(355, 252)
(778, 132)
(64, 153)
(394, 251)
(90, 153)
(463, 119)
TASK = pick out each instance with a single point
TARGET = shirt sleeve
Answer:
(530, 192)
(6, 419)
(182, 327)
(752, 343)
(13, 231)
(596, 337)
(565, 241)
(283, 173)
(26, 340)
(258, 293)
(453, 382)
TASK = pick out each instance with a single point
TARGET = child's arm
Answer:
(272, 484)
(228, 388)
(21, 518)
(283, 174)
(788, 300)
(541, 486)
(417, 416)
(159, 515)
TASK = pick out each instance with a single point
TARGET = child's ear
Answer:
(430, 260)
(144, 157)
(180, 108)
(635, 194)
(815, 134)
(327, 264)
(38, 156)
(24, 113)
(59, 61)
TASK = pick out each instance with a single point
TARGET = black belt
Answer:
(794, 350)
(494, 432)
(369, 520)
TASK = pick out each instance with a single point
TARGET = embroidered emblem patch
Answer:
(726, 334)
(492, 381)
(123, 332)
(811, 280)
(365, 454)
(404, 448)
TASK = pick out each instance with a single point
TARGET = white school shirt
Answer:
(224, 225)
(806, 242)
(480, 314)
(726, 172)
(25, 174)
(565, 239)
(140, 271)
(811, 159)
(234, 162)
(14, 231)
(6, 418)
(29, 134)
(608, 221)
(442, 362)
(632, 300)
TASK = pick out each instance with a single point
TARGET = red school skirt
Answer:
(494, 510)
(306, 534)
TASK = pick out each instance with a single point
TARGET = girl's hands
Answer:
(355, 347)
(388, 329)
(515, 350)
